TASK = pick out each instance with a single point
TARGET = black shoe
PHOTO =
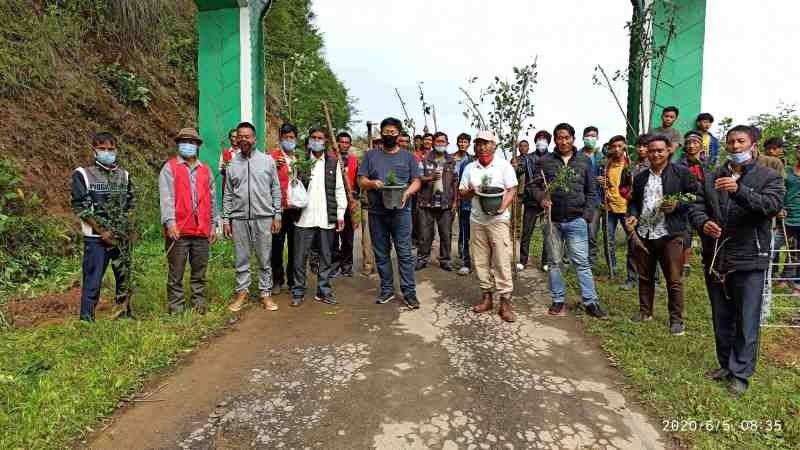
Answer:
(641, 317)
(296, 301)
(411, 301)
(334, 274)
(447, 267)
(421, 265)
(737, 386)
(346, 273)
(557, 309)
(385, 298)
(677, 329)
(329, 299)
(717, 374)
(595, 311)
(201, 309)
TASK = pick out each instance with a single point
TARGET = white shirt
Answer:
(653, 223)
(502, 175)
(315, 215)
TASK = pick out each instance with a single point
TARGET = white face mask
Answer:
(541, 146)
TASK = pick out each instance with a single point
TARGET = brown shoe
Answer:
(506, 311)
(485, 304)
(268, 304)
(238, 301)
(717, 375)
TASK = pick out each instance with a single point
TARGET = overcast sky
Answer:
(751, 61)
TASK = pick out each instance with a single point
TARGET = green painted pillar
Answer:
(681, 78)
(230, 70)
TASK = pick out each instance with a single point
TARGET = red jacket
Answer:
(192, 221)
(283, 177)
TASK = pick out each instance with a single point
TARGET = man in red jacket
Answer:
(284, 159)
(189, 214)
(343, 242)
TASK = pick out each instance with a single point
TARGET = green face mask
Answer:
(590, 142)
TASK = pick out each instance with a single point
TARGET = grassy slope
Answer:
(668, 371)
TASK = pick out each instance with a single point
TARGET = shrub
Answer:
(125, 86)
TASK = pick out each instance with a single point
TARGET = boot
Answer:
(268, 304)
(506, 312)
(485, 304)
(238, 301)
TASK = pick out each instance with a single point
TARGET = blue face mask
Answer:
(440, 149)
(740, 158)
(590, 141)
(106, 157)
(288, 145)
(316, 146)
(187, 150)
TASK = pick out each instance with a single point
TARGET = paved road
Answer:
(361, 376)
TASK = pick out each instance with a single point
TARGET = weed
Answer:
(391, 178)
(124, 85)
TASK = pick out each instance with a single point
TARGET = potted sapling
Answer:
(393, 191)
(490, 197)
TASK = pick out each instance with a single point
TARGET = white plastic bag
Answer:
(296, 196)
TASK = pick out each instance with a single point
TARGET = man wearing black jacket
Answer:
(733, 212)
(528, 166)
(662, 229)
(566, 186)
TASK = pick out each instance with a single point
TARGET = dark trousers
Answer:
(594, 226)
(668, 253)
(529, 219)
(613, 220)
(96, 257)
(443, 219)
(343, 246)
(463, 237)
(416, 235)
(736, 313)
(384, 230)
(279, 275)
(195, 251)
(303, 240)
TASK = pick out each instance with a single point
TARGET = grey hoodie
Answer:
(252, 188)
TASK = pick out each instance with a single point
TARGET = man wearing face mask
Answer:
(596, 157)
(733, 213)
(189, 216)
(529, 167)
(251, 213)
(437, 203)
(92, 188)
(462, 159)
(343, 241)
(283, 275)
(389, 227)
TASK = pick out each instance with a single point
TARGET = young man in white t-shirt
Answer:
(490, 235)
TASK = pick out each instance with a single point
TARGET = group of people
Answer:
(675, 188)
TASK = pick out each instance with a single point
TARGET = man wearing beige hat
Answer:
(490, 231)
(189, 215)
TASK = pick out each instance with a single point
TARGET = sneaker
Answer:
(520, 267)
(276, 290)
(629, 285)
(296, 301)
(717, 374)
(463, 271)
(421, 265)
(411, 301)
(557, 309)
(595, 311)
(268, 303)
(737, 386)
(447, 267)
(329, 299)
(334, 274)
(641, 317)
(385, 298)
(677, 329)
(346, 273)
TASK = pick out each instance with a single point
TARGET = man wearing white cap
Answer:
(490, 232)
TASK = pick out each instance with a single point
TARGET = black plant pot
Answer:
(393, 196)
(490, 199)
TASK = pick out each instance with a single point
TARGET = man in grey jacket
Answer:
(251, 212)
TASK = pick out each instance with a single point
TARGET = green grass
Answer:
(668, 371)
(58, 382)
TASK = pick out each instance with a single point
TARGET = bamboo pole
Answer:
(335, 146)
(405, 112)
(435, 125)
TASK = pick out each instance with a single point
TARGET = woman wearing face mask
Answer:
(189, 215)
(733, 212)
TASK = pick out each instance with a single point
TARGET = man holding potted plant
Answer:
(319, 220)
(391, 176)
(491, 184)
(438, 202)
(565, 188)
(657, 212)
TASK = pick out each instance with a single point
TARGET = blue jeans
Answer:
(576, 235)
(96, 258)
(463, 236)
(385, 230)
(613, 220)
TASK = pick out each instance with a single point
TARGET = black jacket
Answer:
(745, 217)
(675, 179)
(580, 200)
(528, 166)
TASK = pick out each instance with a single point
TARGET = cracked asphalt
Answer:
(364, 376)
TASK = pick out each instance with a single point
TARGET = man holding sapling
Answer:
(657, 212)
(391, 226)
(102, 194)
(490, 232)
(251, 213)
(565, 189)
(320, 220)
(438, 202)
(189, 215)
(733, 212)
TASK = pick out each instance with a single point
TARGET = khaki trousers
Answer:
(490, 248)
(367, 256)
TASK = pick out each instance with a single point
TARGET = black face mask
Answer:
(389, 141)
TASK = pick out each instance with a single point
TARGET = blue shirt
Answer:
(466, 205)
(377, 164)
